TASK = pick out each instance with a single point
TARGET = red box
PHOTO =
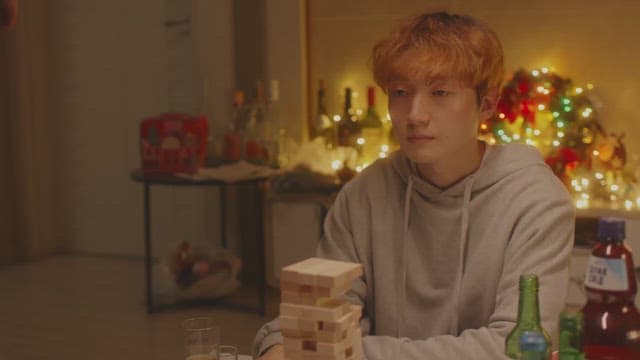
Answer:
(173, 142)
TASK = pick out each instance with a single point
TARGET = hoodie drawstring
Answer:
(464, 230)
(403, 260)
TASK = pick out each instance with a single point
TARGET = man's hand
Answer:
(276, 352)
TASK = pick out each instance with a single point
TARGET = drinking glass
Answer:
(227, 352)
(201, 338)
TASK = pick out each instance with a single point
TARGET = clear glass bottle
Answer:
(528, 316)
(611, 319)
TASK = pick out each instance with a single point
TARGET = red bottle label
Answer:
(606, 274)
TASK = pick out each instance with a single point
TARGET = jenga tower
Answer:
(315, 323)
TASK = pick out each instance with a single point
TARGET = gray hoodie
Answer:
(442, 266)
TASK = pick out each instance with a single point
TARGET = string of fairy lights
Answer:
(541, 108)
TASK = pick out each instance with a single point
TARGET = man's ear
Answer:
(488, 103)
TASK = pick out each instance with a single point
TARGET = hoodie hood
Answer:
(497, 163)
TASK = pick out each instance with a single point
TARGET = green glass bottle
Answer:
(528, 316)
(533, 346)
(571, 325)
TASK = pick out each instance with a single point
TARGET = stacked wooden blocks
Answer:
(315, 323)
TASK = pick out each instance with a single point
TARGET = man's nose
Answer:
(420, 111)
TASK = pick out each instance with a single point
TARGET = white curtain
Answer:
(28, 212)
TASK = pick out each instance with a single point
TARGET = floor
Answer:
(80, 307)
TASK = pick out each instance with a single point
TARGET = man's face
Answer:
(435, 121)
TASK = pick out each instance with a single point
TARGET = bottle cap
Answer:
(610, 228)
(532, 341)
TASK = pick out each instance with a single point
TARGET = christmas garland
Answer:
(543, 109)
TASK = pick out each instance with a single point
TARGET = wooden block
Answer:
(320, 330)
(324, 348)
(343, 323)
(326, 309)
(350, 348)
(321, 272)
(336, 348)
(293, 323)
(320, 335)
(300, 271)
(298, 298)
(314, 291)
(338, 273)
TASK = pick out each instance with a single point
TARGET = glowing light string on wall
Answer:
(543, 109)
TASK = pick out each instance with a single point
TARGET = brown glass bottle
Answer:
(611, 320)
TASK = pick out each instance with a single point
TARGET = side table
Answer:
(259, 186)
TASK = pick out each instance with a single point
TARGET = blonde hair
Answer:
(440, 44)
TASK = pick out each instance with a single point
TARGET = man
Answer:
(445, 226)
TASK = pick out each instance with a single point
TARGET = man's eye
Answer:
(398, 92)
(441, 93)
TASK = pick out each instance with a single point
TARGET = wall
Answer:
(118, 63)
(589, 41)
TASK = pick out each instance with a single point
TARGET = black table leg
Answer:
(260, 189)
(147, 248)
(223, 216)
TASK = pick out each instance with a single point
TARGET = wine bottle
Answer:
(233, 137)
(372, 129)
(323, 126)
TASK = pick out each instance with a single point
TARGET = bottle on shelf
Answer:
(571, 328)
(528, 317)
(372, 129)
(323, 125)
(533, 346)
(349, 126)
(232, 150)
(256, 139)
(278, 156)
(611, 319)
